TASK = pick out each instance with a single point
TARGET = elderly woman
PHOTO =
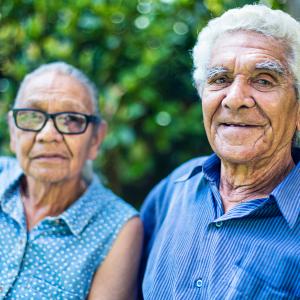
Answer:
(62, 236)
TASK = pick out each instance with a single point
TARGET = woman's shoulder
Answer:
(109, 203)
(109, 216)
(9, 164)
(108, 212)
(10, 172)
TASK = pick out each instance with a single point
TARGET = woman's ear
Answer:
(12, 132)
(98, 136)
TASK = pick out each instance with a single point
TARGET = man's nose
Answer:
(49, 133)
(238, 95)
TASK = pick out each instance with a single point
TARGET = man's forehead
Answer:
(249, 50)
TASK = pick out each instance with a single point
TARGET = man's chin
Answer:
(239, 154)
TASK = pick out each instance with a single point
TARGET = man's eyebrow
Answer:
(216, 70)
(271, 66)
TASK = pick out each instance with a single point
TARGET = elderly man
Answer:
(227, 226)
(62, 236)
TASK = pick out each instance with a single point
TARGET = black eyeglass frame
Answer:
(89, 119)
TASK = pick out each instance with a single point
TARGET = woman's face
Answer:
(48, 155)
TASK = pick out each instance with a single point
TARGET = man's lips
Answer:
(242, 125)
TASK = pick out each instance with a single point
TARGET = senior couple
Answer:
(225, 226)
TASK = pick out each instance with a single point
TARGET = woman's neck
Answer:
(42, 199)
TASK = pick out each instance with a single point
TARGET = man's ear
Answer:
(97, 138)
(12, 132)
(298, 116)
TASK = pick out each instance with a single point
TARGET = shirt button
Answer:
(199, 283)
(57, 221)
(20, 244)
(1, 289)
(219, 224)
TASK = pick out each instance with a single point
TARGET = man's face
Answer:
(249, 102)
(47, 155)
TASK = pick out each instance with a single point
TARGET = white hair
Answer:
(255, 18)
(65, 69)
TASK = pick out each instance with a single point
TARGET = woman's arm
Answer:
(116, 279)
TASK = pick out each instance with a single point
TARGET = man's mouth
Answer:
(240, 125)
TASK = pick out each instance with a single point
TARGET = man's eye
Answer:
(219, 80)
(218, 83)
(264, 82)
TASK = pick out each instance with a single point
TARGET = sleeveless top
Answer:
(58, 258)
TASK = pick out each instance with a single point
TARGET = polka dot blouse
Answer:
(59, 256)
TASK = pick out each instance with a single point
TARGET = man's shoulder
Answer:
(157, 204)
(160, 196)
(187, 168)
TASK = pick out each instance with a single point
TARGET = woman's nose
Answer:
(49, 133)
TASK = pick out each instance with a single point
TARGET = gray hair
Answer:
(65, 69)
(256, 18)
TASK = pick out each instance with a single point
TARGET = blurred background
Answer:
(139, 55)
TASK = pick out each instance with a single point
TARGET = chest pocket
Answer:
(245, 285)
(266, 273)
(42, 290)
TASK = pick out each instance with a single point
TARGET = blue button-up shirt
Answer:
(58, 258)
(196, 251)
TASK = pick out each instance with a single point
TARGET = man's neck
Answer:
(244, 182)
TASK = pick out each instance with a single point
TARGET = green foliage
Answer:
(138, 54)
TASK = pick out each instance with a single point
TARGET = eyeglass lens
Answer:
(70, 122)
(65, 122)
(31, 120)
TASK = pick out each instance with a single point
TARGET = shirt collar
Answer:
(286, 194)
(76, 217)
(210, 166)
(79, 214)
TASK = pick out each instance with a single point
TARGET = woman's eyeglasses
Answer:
(64, 122)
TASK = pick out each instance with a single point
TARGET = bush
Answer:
(138, 54)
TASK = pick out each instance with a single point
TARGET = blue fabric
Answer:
(195, 251)
(57, 258)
